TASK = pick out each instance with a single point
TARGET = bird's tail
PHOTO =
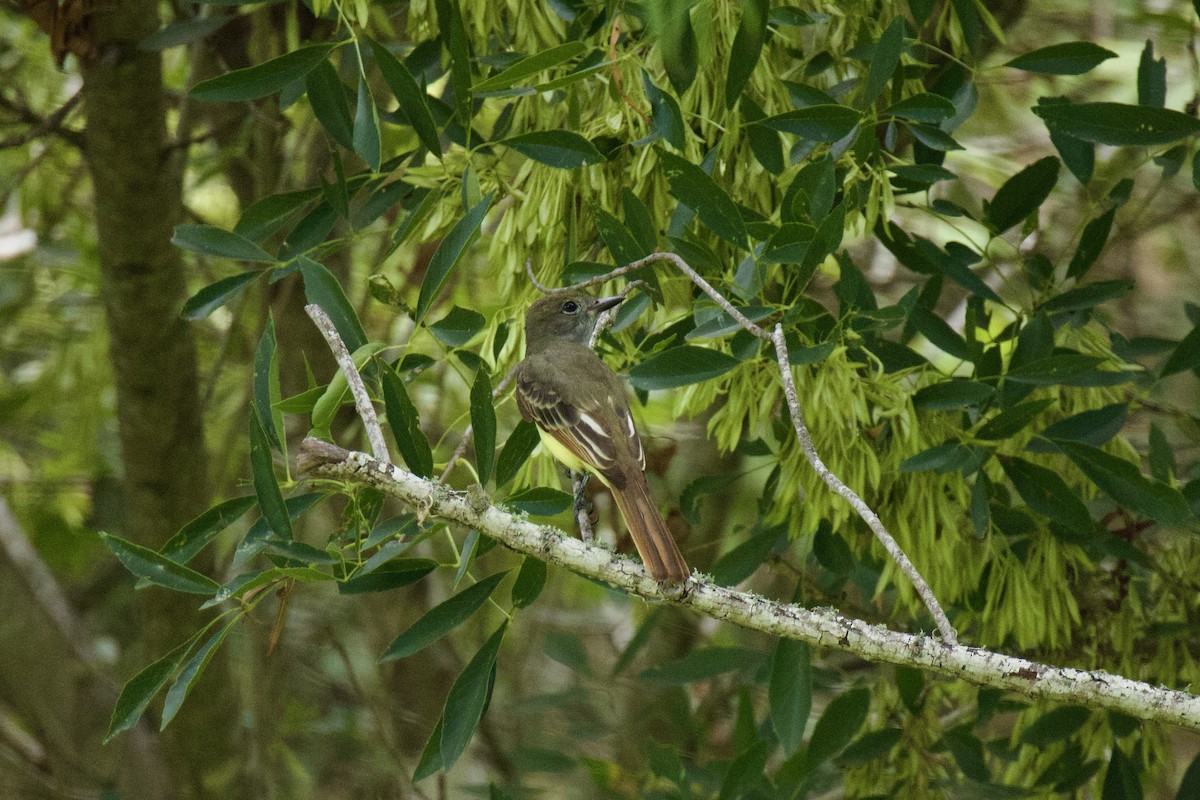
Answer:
(654, 542)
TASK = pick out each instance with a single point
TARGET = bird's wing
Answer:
(582, 430)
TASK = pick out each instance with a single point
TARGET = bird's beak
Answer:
(605, 303)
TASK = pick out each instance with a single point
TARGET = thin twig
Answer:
(541, 287)
(362, 400)
(820, 627)
(793, 398)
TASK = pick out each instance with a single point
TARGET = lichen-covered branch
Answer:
(819, 627)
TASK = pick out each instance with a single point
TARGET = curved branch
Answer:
(819, 627)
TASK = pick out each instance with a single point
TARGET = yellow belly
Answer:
(566, 457)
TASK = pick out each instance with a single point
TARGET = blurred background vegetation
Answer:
(118, 414)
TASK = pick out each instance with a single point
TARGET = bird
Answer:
(582, 414)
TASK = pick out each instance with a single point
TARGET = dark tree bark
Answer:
(137, 198)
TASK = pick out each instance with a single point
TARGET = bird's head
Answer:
(566, 315)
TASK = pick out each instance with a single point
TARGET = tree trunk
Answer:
(137, 199)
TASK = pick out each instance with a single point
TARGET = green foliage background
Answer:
(990, 348)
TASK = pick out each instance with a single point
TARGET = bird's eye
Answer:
(570, 307)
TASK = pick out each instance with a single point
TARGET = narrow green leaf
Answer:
(745, 772)
(620, 242)
(1022, 194)
(1152, 78)
(142, 687)
(1093, 427)
(1093, 294)
(839, 723)
(327, 97)
(680, 366)
(458, 327)
(1125, 484)
(671, 22)
(562, 149)
(790, 692)
(322, 288)
(366, 127)
(1067, 58)
(266, 488)
(702, 664)
(217, 242)
(529, 66)
(454, 37)
(483, 422)
(266, 382)
(157, 568)
(885, 58)
(870, 746)
(269, 214)
(747, 48)
(1118, 123)
(409, 95)
(819, 123)
(215, 295)
(260, 532)
(1121, 781)
(540, 501)
(1055, 726)
(520, 445)
(190, 672)
(1091, 243)
(468, 699)
(529, 583)
(697, 190)
(392, 575)
(954, 393)
(448, 254)
(312, 229)
(1012, 420)
(405, 425)
(940, 334)
(946, 457)
(180, 33)
(442, 618)
(251, 83)
(1185, 356)
(1048, 494)
(1054, 370)
(431, 756)
(195, 536)
(924, 107)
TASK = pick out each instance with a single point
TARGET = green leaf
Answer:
(1121, 781)
(702, 664)
(1012, 420)
(267, 215)
(1067, 58)
(1118, 123)
(840, 721)
(366, 127)
(742, 561)
(819, 123)
(540, 501)
(431, 756)
(483, 422)
(1091, 243)
(745, 772)
(939, 334)
(454, 38)
(885, 58)
(869, 747)
(1093, 427)
(322, 288)
(671, 22)
(327, 96)
(190, 672)
(179, 33)
(195, 536)
(954, 393)
(157, 568)
(448, 254)
(391, 575)
(310, 231)
(215, 295)
(967, 750)
(530, 580)
(933, 137)
(1185, 356)
(945, 457)
(790, 692)
(1151, 78)
(924, 107)
(680, 366)
(442, 618)
(405, 425)
(141, 688)
(1127, 486)
(1054, 370)
(620, 242)
(697, 190)
(1022, 194)
(1078, 155)
(1056, 725)
(409, 95)
(266, 488)
(1048, 494)
(216, 242)
(520, 445)
(468, 698)
(251, 83)
(458, 327)
(266, 382)
(562, 149)
(529, 66)
(1088, 296)
(747, 48)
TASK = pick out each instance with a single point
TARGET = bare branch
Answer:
(541, 287)
(820, 627)
(362, 400)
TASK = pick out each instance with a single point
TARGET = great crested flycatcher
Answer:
(582, 414)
